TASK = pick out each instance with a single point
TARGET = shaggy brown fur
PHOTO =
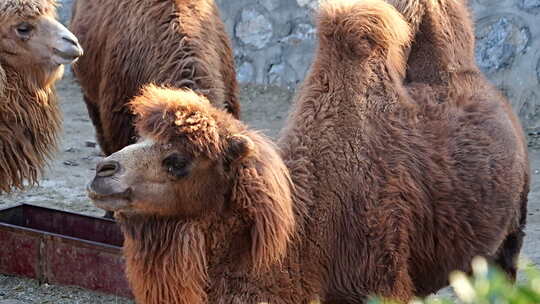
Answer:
(442, 52)
(442, 65)
(29, 112)
(387, 192)
(178, 43)
(186, 266)
(29, 128)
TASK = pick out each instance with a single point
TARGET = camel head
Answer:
(31, 37)
(194, 161)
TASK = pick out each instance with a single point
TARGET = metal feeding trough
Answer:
(64, 248)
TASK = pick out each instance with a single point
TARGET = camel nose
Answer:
(65, 46)
(107, 168)
(69, 49)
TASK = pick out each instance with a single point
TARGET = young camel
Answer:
(369, 193)
(33, 49)
(178, 43)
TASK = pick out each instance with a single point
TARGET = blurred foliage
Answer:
(487, 285)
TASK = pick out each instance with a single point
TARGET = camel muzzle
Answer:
(105, 191)
(66, 46)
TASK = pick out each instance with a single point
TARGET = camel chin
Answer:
(110, 203)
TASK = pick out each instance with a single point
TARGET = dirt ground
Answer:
(62, 187)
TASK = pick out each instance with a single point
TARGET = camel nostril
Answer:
(107, 168)
(70, 41)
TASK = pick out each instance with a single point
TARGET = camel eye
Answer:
(24, 29)
(177, 165)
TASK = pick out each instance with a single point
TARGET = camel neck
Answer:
(33, 119)
(165, 260)
(186, 265)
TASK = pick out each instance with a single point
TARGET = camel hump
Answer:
(355, 25)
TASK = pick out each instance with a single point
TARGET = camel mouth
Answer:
(107, 200)
(67, 56)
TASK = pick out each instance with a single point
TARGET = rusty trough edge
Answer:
(103, 262)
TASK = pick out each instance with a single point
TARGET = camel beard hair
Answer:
(30, 122)
(171, 269)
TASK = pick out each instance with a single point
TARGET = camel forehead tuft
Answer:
(168, 115)
(26, 8)
(194, 122)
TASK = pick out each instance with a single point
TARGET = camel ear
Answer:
(239, 147)
(262, 194)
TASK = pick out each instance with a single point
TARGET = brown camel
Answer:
(369, 193)
(178, 43)
(441, 64)
(33, 49)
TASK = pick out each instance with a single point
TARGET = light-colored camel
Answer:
(33, 49)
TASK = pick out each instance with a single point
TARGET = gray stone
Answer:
(484, 2)
(529, 5)
(275, 72)
(312, 4)
(281, 74)
(301, 32)
(64, 10)
(246, 72)
(506, 91)
(238, 53)
(499, 41)
(538, 70)
(529, 113)
(270, 4)
(300, 60)
(254, 28)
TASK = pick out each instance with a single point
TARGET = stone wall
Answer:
(274, 42)
(508, 51)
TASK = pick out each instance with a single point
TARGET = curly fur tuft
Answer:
(357, 26)
(170, 114)
(26, 8)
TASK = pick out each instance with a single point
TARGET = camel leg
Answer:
(508, 254)
(93, 112)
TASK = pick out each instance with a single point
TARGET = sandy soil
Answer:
(62, 187)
